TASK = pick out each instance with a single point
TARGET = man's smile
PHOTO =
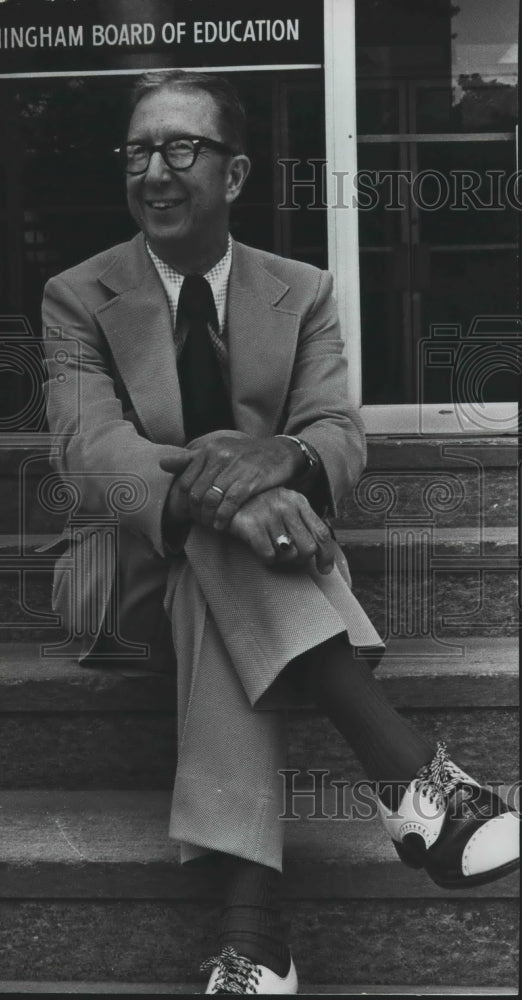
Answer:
(163, 204)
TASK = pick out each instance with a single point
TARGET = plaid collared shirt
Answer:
(217, 278)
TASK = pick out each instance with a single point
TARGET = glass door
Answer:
(437, 196)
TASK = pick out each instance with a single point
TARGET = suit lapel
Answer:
(138, 327)
(262, 338)
(262, 341)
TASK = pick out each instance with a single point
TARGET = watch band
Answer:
(311, 459)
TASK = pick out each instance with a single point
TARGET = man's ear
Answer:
(238, 171)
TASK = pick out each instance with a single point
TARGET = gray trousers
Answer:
(234, 625)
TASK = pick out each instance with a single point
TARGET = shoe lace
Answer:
(236, 973)
(438, 778)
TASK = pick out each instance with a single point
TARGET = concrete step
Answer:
(114, 844)
(379, 942)
(65, 726)
(305, 989)
(464, 548)
(461, 605)
(139, 751)
(91, 890)
(411, 579)
(455, 482)
(480, 475)
(477, 672)
(474, 497)
(447, 481)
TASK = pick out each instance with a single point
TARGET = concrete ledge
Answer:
(488, 539)
(473, 540)
(115, 845)
(305, 989)
(32, 683)
(440, 453)
(472, 672)
(384, 452)
(455, 550)
(137, 749)
(382, 942)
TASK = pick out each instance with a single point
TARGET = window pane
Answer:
(476, 185)
(471, 289)
(428, 74)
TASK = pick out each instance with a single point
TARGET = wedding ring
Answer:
(218, 490)
(283, 543)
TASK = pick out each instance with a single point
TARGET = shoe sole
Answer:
(412, 857)
(481, 878)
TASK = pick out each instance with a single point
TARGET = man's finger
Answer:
(324, 557)
(176, 463)
(240, 480)
(303, 547)
(258, 538)
(201, 491)
(234, 498)
(192, 472)
(205, 500)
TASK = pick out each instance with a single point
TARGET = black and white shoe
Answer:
(460, 832)
(234, 973)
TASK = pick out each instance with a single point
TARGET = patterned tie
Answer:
(206, 406)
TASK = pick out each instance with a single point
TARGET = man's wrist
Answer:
(310, 462)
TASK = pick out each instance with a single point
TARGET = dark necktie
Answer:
(206, 406)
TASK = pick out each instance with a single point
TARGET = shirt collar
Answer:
(217, 278)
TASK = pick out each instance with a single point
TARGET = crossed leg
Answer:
(228, 794)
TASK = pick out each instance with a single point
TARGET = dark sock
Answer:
(252, 921)
(389, 748)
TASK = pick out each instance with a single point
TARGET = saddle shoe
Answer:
(234, 973)
(462, 833)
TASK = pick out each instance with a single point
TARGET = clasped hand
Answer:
(238, 466)
(278, 511)
(251, 501)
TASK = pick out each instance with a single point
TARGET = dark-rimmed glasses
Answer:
(178, 152)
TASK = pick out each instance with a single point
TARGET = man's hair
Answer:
(232, 117)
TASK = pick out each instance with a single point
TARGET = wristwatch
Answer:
(309, 453)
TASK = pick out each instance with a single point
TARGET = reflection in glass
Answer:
(448, 123)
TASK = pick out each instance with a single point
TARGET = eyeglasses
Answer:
(179, 153)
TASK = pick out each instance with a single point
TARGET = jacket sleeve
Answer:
(96, 447)
(317, 407)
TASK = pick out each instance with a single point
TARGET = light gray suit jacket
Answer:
(113, 392)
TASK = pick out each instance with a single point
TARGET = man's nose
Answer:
(157, 168)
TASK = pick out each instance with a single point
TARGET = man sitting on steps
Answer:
(216, 374)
